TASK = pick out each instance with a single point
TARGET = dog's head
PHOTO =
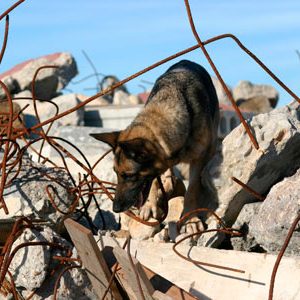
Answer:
(137, 162)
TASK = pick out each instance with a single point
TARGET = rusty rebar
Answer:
(56, 286)
(249, 189)
(13, 154)
(112, 277)
(10, 9)
(136, 273)
(197, 262)
(228, 93)
(280, 255)
(4, 38)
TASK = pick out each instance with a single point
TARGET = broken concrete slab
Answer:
(222, 96)
(278, 136)
(49, 80)
(92, 149)
(11, 84)
(270, 225)
(246, 90)
(256, 104)
(123, 98)
(31, 267)
(31, 264)
(246, 242)
(218, 284)
(27, 196)
(74, 284)
(47, 110)
(111, 116)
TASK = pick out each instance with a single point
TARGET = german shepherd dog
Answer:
(178, 124)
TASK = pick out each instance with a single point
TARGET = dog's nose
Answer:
(117, 207)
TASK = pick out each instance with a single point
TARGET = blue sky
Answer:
(123, 36)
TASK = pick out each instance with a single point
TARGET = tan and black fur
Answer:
(178, 124)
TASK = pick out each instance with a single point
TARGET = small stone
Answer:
(162, 236)
(141, 231)
(175, 209)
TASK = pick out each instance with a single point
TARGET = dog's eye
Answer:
(128, 176)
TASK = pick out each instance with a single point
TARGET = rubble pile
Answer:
(45, 183)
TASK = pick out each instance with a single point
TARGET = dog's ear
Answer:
(110, 138)
(139, 149)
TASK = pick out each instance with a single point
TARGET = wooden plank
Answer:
(92, 259)
(157, 295)
(130, 277)
(218, 284)
(158, 282)
(167, 288)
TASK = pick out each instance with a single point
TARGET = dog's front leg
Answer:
(153, 206)
(150, 207)
(192, 199)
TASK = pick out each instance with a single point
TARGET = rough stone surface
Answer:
(247, 242)
(4, 118)
(90, 147)
(66, 102)
(123, 98)
(276, 215)
(49, 80)
(11, 84)
(175, 209)
(141, 231)
(27, 195)
(246, 90)
(278, 136)
(222, 96)
(47, 110)
(74, 284)
(30, 264)
(256, 104)
(162, 236)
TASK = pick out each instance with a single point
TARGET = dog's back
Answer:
(182, 111)
(190, 77)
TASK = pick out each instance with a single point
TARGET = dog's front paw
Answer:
(192, 225)
(147, 210)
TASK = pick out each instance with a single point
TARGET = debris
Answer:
(253, 284)
(222, 96)
(272, 156)
(277, 134)
(65, 102)
(256, 104)
(123, 98)
(27, 196)
(245, 90)
(246, 242)
(49, 81)
(276, 215)
(4, 115)
(141, 231)
(30, 273)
